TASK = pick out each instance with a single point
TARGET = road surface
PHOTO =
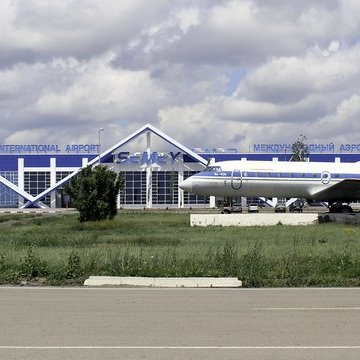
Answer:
(111, 323)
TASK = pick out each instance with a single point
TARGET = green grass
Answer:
(59, 250)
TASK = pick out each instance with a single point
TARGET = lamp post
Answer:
(99, 132)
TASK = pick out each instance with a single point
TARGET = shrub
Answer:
(95, 191)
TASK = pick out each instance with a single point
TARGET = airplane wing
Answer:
(346, 190)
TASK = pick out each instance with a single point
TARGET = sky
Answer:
(226, 73)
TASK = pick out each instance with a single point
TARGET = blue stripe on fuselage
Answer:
(274, 175)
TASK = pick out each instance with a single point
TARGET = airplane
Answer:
(338, 184)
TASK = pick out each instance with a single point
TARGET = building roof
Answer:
(144, 129)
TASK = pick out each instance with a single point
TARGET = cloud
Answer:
(289, 79)
(38, 30)
(223, 73)
(285, 96)
(244, 33)
(69, 93)
(100, 93)
(343, 124)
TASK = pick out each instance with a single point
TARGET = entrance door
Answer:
(236, 179)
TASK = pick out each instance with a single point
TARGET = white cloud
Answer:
(209, 73)
(102, 93)
(343, 124)
(36, 29)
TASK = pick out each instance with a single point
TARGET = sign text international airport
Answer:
(49, 149)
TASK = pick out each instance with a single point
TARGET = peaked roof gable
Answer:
(154, 130)
(93, 162)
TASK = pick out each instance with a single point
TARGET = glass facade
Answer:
(8, 197)
(63, 200)
(62, 174)
(164, 184)
(165, 187)
(37, 182)
(134, 192)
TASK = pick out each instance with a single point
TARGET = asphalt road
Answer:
(80, 323)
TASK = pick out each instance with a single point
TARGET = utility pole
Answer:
(99, 138)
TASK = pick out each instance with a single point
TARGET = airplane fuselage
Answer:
(274, 179)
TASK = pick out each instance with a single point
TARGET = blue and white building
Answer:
(35, 175)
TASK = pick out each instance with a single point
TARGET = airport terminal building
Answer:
(151, 162)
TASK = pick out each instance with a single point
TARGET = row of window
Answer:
(34, 184)
(164, 185)
(290, 175)
(37, 182)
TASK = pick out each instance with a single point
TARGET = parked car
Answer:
(297, 206)
(280, 208)
(234, 208)
(317, 204)
(253, 208)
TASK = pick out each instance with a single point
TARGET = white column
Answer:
(118, 202)
(148, 173)
(21, 179)
(243, 202)
(84, 162)
(180, 179)
(212, 201)
(53, 182)
(243, 198)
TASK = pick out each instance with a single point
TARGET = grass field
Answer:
(57, 249)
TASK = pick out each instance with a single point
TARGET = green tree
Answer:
(94, 191)
(300, 150)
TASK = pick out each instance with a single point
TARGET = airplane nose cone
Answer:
(186, 185)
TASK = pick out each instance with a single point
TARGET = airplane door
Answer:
(325, 177)
(236, 179)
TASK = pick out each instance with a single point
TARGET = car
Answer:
(280, 208)
(297, 206)
(234, 208)
(355, 206)
(253, 208)
(317, 204)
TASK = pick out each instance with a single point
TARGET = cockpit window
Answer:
(212, 169)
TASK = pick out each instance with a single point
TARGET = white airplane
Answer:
(335, 183)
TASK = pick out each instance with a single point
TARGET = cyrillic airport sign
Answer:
(312, 148)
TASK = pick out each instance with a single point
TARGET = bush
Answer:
(94, 191)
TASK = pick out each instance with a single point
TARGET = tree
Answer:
(94, 191)
(300, 150)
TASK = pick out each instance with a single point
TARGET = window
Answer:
(61, 175)
(37, 182)
(212, 169)
(165, 188)
(134, 191)
(8, 197)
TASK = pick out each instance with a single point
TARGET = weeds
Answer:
(32, 266)
(73, 269)
(158, 244)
